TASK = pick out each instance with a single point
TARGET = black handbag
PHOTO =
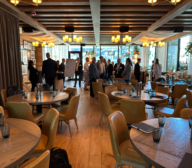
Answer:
(59, 159)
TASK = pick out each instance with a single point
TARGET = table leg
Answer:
(39, 108)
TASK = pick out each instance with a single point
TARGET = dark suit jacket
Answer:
(137, 71)
(80, 68)
(49, 68)
(109, 70)
(62, 69)
(33, 74)
(118, 75)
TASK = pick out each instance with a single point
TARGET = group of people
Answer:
(156, 70)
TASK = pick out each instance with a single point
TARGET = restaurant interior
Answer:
(108, 121)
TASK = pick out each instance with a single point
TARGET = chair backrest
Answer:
(133, 82)
(72, 108)
(99, 81)
(19, 110)
(108, 91)
(179, 106)
(97, 87)
(189, 98)
(1, 110)
(72, 92)
(163, 90)
(118, 132)
(104, 104)
(128, 87)
(153, 85)
(133, 110)
(3, 97)
(46, 87)
(50, 127)
(118, 79)
(179, 91)
(42, 161)
(118, 85)
(185, 113)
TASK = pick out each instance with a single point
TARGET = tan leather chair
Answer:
(163, 90)
(133, 83)
(1, 110)
(70, 112)
(185, 113)
(133, 110)
(153, 85)
(128, 87)
(105, 106)
(48, 133)
(123, 151)
(99, 81)
(4, 97)
(168, 112)
(41, 162)
(189, 98)
(22, 110)
(108, 91)
(118, 85)
(118, 79)
(178, 91)
(97, 87)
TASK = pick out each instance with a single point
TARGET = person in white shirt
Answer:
(157, 69)
(101, 67)
(86, 73)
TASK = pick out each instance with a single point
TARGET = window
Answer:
(74, 48)
(110, 52)
(124, 53)
(172, 55)
(151, 55)
(88, 51)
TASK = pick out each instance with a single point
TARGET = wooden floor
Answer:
(90, 146)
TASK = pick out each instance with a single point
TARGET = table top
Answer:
(175, 142)
(24, 138)
(172, 84)
(144, 97)
(46, 98)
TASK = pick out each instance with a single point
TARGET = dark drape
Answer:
(10, 59)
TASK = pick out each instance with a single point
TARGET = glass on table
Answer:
(54, 93)
(26, 94)
(23, 93)
(36, 95)
(161, 120)
(124, 90)
(2, 120)
(153, 92)
(130, 92)
(5, 131)
(156, 134)
(150, 93)
(190, 121)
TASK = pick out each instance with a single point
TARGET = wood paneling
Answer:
(39, 56)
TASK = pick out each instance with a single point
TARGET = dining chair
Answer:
(127, 87)
(105, 107)
(133, 83)
(118, 85)
(185, 113)
(22, 110)
(168, 112)
(97, 87)
(165, 91)
(99, 81)
(1, 110)
(118, 79)
(41, 162)
(123, 151)
(153, 85)
(108, 91)
(4, 97)
(189, 98)
(133, 110)
(178, 91)
(48, 133)
(69, 113)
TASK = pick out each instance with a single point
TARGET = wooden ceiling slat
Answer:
(129, 19)
(126, 23)
(63, 19)
(61, 14)
(133, 13)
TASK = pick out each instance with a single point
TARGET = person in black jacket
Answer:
(49, 71)
(137, 71)
(78, 72)
(32, 75)
(119, 68)
(62, 69)
(109, 69)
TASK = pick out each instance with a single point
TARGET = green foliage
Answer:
(147, 75)
(188, 49)
(136, 49)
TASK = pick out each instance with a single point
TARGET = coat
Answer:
(127, 72)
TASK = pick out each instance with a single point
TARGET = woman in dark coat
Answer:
(32, 75)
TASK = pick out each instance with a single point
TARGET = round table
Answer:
(144, 97)
(175, 142)
(24, 138)
(171, 84)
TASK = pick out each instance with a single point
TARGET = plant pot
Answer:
(147, 79)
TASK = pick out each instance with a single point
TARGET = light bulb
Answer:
(152, 42)
(36, 43)
(152, 1)
(74, 37)
(80, 38)
(163, 43)
(70, 40)
(144, 44)
(37, 1)
(66, 37)
(33, 44)
(118, 37)
(15, 2)
(77, 40)
(113, 39)
(124, 40)
(116, 40)
(126, 37)
(147, 45)
(129, 39)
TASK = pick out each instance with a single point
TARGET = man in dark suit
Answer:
(137, 71)
(49, 69)
(119, 68)
(78, 72)
(109, 69)
(62, 69)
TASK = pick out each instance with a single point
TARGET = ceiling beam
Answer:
(178, 10)
(95, 12)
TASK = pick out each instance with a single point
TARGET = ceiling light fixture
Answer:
(117, 39)
(51, 45)
(75, 39)
(35, 43)
(34, 2)
(43, 44)
(155, 2)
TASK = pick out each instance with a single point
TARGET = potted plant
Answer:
(188, 49)
(136, 50)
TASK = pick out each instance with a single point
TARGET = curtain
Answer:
(161, 54)
(144, 56)
(10, 59)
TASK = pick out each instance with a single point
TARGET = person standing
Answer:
(78, 72)
(101, 67)
(119, 68)
(127, 72)
(157, 69)
(49, 69)
(86, 73)
(152, 68)
(62, 69)
(93, 75)
(58, 65)
(32, 75)
(109, 69)
(137, 71)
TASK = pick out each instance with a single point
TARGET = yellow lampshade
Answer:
(44, 43)
(152, 1)
(70, 40)
(15, 2)
(116, 40)
(33, 44)
(163, 43)
(77, 40)
(160, 44)
(53, 45)
(124, 40)
(152, 42)
(66, 37)
(175, 1)
(118, 37)
(74, 37)
(36, 43)
(129, 39)
(147, 45)
(80, 38)
(113, 39)
(144, 44)
(37, 1)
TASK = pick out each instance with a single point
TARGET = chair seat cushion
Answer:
(168, 112)
(128, 154)
(38, 117)
(57, 105)
(42, 145)
(62, 110)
